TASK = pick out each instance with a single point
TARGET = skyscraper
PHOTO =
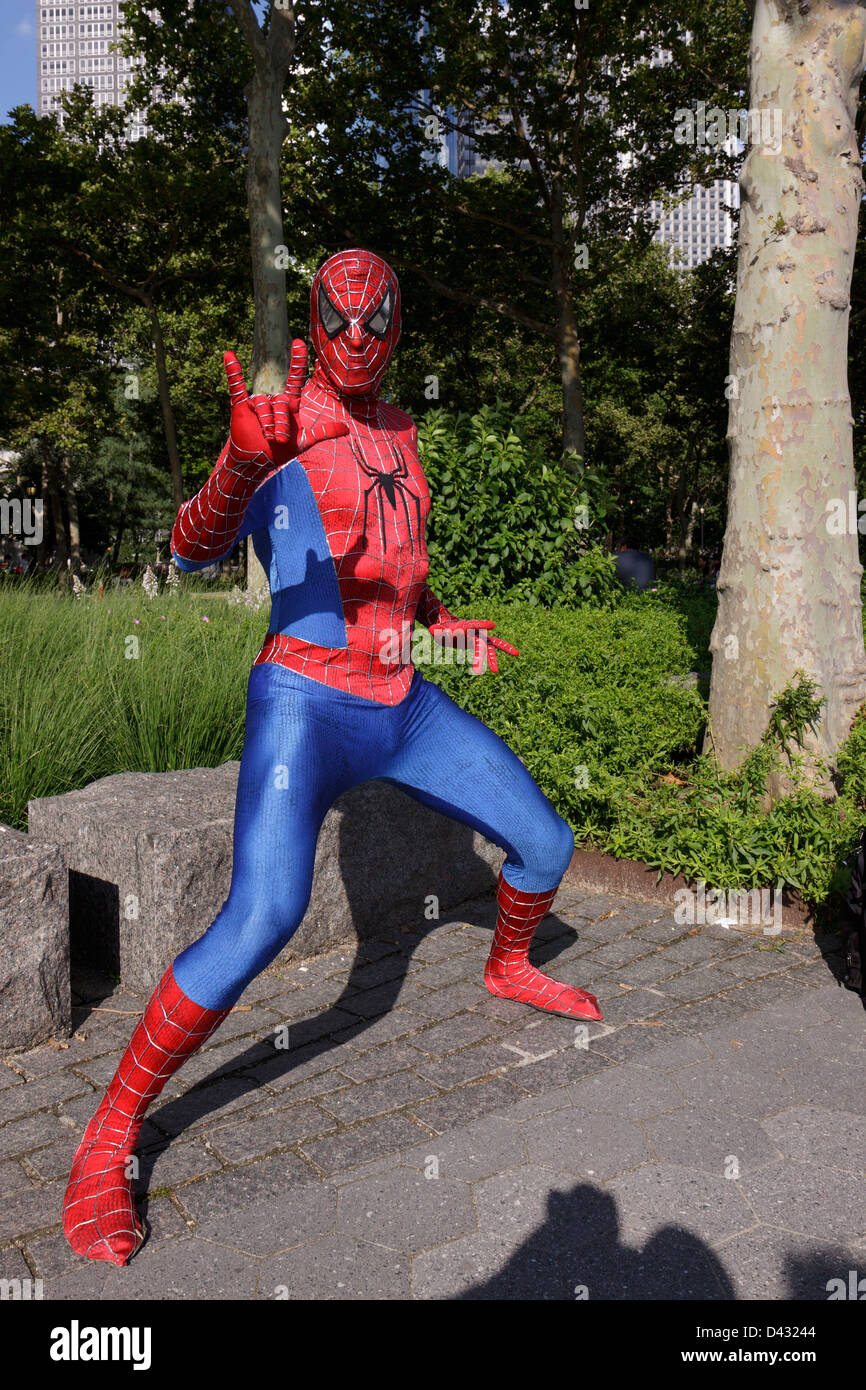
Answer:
(77, 43)
(698, 226)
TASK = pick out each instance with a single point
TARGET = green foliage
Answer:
(592, 705)
(505, 518)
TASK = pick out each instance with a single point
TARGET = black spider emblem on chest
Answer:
(389, 486)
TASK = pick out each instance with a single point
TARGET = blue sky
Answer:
(17, 54)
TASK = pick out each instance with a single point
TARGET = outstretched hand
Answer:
(270, 425)
(484, 653)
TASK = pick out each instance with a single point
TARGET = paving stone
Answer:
(692, 949)
(701, 982)
(446, 972)
(488, 1268)
(243, 1189)
(442, 945)
(838, 1085)
(270, 1130)
(286, 1068)
(760, 960)
(798, 1197)
(316, 1026)
(18, 1101)
(363, 1034)
(708, 1013)
(476, 1151)
(164, 1220)
(205, 1105)
(587, 1145)
(731, 1087)
(316, 1087)
(772, 989)
(506, 1010)
(631, 1040)
(379, 1097)
(454, 999)
(540, 1033)
(8, 1077)
(767, 1264)
(33, 1132)
(31, 1209)
(226, 1059)
(336, 1268)
(469, 1103)
(646, 970)
(541, 1104)
(182, 1270)
(12, 1177)
(617, 953)
(82, 1283)
(531, 1198)
(552, 1073)
(812, 1134)
(454, 1034)
(290, 1214)
(14, 1266)
(669, 1195)
(52, 1255)
(172, 1165)
(626, 1005)
(673, 1056)
(704, 1139)
(55, 1161)
(361, 1170)
(460, 1068)
(405, 1211)
(631, 1090)
(383, 1061)
(263, 987)
(339, 1153)
(662, 931)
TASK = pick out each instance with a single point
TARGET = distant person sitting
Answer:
(634, 567)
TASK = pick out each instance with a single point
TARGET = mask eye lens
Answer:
(380, 320)
(331, 319)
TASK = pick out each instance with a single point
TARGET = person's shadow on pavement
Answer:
(577, 1254)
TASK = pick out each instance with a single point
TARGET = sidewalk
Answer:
(420, 1139)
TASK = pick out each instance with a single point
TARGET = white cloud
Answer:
(24, 28)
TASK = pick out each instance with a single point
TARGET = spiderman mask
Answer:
(355, 321)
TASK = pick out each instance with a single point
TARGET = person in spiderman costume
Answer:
(326, 478)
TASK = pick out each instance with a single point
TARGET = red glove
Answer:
(264, 434)
(267, 428)
(484, 653)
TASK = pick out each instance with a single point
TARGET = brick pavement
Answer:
(412, 1137)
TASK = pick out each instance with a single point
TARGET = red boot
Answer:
(508, 973)
(99, 1218)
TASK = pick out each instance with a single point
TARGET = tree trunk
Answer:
(267, 127)
(568, 340)
(267, 130)
(61, 547)
(789, 584)
(72, 513)
(165, 402)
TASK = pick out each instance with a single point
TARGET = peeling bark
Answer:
(789, 584)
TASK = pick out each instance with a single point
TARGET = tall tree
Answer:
(789, 587)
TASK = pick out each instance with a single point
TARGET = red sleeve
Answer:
(207, 527)
(432, 610)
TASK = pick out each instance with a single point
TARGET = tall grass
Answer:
(92, 686)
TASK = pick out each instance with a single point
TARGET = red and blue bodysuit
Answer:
(325, 478)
